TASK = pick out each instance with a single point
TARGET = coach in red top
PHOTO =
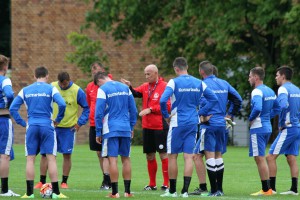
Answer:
(91, 96)
(155, 128)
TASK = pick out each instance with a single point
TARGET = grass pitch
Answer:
(240, 179)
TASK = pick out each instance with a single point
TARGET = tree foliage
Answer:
(86, 51)
(235, 35)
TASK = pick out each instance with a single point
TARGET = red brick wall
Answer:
(39, 37)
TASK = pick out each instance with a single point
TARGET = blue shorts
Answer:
(6, 136)
(181, 139)
(12, 154)
(65, 139)
(199, 148)
(114, 146)
(258, 143)
(40, 139)
(286, 142)
(214, 138)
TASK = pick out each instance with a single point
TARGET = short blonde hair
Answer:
(3, 61)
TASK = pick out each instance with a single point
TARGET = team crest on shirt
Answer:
(161, 146)
(156, 95)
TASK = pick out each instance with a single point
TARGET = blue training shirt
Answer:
(81, 100)
(115, 111)
(185, 92)
(38, 99)
(264, 106)
(224, 92)
(289, 101)
(6, 92)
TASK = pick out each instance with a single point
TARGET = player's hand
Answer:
(232, 123)
(168, 120)
(76, 127)
(204, 119)
(251, 122)
(126, 82)
(98, 140)
(55, 123)
(132, 134)
(145, 112)
(228, 117)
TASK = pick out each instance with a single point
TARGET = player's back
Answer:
(4, 81)
(38, 98)
(220, 88)
(185, 99)
(262, 98)
(117, 102)
(292, 113)
(267, 104)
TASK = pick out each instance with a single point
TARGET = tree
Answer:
(235, 35)
(87, 51)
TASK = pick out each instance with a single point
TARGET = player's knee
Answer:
(150, 156)
(163, 155)
(259, 159)
(291, 159)
(197, 157)
(125, 161)
(270, 158)
(67, 156)
(4, 157)
(188, 156)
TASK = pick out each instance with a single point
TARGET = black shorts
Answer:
(94, 146)
(198, 132)
(155, 141)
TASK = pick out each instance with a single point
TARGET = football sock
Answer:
(203, 186)
(211, 172)
(264, 185)
(55, 188)
(106, 179)
(114, 187)
(164, 166)
(103, 180)
(294, 187)
(268, 183)
(172, 186)
(186, 184)
(152, 169)
(4, 185)
(127, 186)
(43, 179)
(220, 173)
(29, 184)
(65, 179)
(109, 181)
(273, 183)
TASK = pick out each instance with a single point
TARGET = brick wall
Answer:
(39, 37)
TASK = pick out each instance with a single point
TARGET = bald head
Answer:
(151, 73)
(151, 68)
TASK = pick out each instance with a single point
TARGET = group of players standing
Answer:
(170, 120)
(215, 100)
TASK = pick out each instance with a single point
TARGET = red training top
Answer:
(154, 120)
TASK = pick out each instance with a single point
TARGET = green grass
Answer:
(240, 179)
